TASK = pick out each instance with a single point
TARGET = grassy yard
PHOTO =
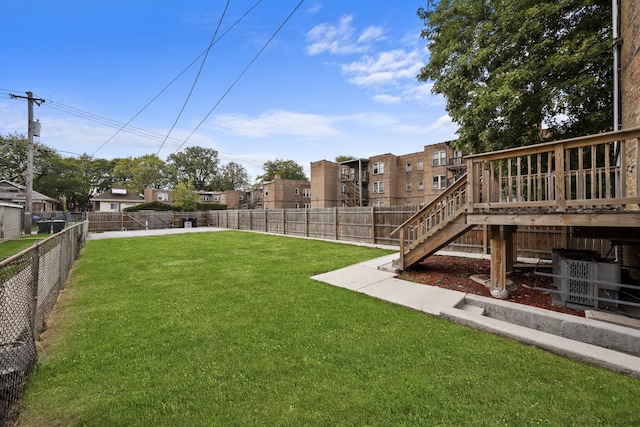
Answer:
(12, 247)
(227, 329)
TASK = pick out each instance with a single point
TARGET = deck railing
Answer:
(427, 221)
(568, 175)
(572, 175)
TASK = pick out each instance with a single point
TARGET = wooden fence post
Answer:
(373, 226)
(284, 222)
(335, 223)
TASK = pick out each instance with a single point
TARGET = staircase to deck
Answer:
(434, 226)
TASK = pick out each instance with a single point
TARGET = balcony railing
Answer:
(560, 176)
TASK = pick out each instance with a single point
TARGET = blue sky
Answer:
(337, 79)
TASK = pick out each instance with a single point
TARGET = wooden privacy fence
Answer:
(366, 224)
(358, 224)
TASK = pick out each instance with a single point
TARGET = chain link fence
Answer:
(30, 283)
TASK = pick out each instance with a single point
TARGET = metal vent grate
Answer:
(581, 291)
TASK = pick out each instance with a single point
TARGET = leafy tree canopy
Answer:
(506, 68)
(343, 158)
(185, 198)
(196, 164)
(287, 169)
(233, 176)
(137, 173)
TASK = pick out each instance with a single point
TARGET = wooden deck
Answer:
(573, 182)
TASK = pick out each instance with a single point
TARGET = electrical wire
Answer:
(195, 81)
(243, 72)
(176, 78)
(153, 136)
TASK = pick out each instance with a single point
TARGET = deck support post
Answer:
(502, 257)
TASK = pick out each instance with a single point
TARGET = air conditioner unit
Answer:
(581, 276)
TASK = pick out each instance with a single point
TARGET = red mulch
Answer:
(454, 272)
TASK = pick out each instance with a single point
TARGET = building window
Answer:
(296, 192)
(378, 187)
(307, 205)
(378, 168)
(409, 186)
(241, 197)
(306, 192)
(439, 182)
(266, 192)
(439, 158)
(408, 167)
(378, 203)
(266, 206)
(343, 189)
(216, 198)
(420, 165)
(205, 198)
(457, 153)
(113, 206)
(421, 185)
(163, 197)
(297, 206)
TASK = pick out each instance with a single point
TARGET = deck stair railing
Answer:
(448, 208)
(572, 176)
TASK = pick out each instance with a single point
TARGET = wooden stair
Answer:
(436, 225)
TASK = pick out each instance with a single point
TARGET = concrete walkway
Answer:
(511, 320)
(588, 340)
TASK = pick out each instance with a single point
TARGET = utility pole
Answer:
(31, 131)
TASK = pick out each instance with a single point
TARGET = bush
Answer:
(211, 207)
(152, 206)
(159, 206)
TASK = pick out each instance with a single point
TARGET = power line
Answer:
(195, 81)
(243, 72)
(105, 121)
(178, 76)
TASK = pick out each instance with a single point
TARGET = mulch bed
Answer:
(454, 273)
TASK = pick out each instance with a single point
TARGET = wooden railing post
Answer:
(401, 260)
(560, 199)
(472, 176)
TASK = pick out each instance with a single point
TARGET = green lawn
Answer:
(227, 329)
(12, 247)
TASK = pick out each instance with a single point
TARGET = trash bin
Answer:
(44, 227)
(186, 223)
(58, 225)
(194, 222)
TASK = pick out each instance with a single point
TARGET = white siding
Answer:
(10, 220)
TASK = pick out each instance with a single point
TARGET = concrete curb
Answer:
(559, 333)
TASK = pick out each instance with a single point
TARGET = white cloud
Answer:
(371, 34)
(341, 38)
(386, 68)
(444, 124)
(387, 99)
(277, 123)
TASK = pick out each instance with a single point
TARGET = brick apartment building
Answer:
(386, 179)
(286, 194)
(232, 198)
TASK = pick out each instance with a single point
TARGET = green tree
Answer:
(506, 68)
(63, 178)
(343, 158)
(287, 169)
(137, 173)
(99, 173)
(13, 157)
(196, 164)
(185, 198)
(233, 176)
